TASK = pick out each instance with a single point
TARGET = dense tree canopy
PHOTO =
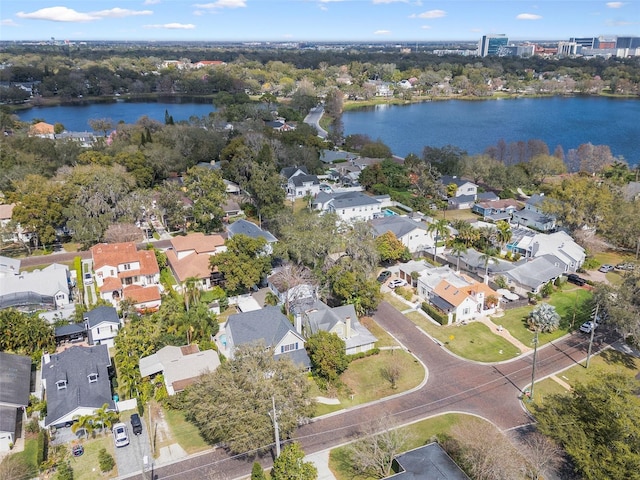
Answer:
(327, 353)
(598, 424)
(232, 404)
(25, 334)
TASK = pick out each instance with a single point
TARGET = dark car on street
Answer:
(136, 424)
(576, 279)
(384, 276)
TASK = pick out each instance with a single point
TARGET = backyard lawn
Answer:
(473, 341)
(452, 215)
(183, 432)
(418, 434)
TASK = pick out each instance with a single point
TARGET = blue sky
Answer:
(319, 20)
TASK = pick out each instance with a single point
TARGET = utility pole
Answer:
(276, 430)
(533, 367)
(593, 331)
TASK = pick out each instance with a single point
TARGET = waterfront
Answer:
(470, 125)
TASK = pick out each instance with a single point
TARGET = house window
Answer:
(127, 266)
(289, 348)
(61, 384)
(93, 377)
(466, 311)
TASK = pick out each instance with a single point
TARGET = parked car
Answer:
(397, 283)
(587, 327)
(626, 266)
(576, 279)
(384, 275)
(88, 278)
(120, 436)
(136, 424)
(606, 268)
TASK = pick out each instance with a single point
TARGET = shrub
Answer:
(590, 263)
(406, 293)
(500, 281)
(43, 446)
(369, 353)
(435, 314)
(33, 426)
(105, 460)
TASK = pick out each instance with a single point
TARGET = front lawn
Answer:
(30, 453)
(384, 339)
(184, 433)
(87, 466)
(396, 302)
(473, 341)
(365, 379)
(418, 434)
(608, 361)
(572, 305)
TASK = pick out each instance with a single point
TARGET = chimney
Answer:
(298, 323)
(347, 327)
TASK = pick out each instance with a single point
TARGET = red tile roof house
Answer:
(189, 257)
(123, 271)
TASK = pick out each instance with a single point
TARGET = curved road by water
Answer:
(454, 385)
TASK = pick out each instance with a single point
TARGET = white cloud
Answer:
(152, 2)
(382, 32)
(120, 13)
(323, 7)
(615, 4)
(432, 14)
(218, 4)
(8, 23)
(528, 16)
(58, 14)
(426, 27)
(173, 26)
(377, 2)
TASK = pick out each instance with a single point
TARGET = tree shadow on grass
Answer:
(614, 357)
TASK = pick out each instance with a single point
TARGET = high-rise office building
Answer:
(628, 42)
(490, 44)
(584, 42)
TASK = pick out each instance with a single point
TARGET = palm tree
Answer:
(458, 249)
(439, 229)
(104, 417)
(488, 256)
(191, 291)
(544, 318)
(504, 232)
(83, 422)
(467, 234)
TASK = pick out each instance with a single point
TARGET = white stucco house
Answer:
(102, 325)
(349, 206)
(412, 233)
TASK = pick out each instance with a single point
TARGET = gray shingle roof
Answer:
(268, 324)
(300, 180)
(533, 273)
(15, 379)
(101, 314)
(73, 365)
(400, 226)
(352, 199)
(8, 419)
(286, 172)
(244, 227)
(70, 329)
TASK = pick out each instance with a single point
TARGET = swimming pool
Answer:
(389, 213)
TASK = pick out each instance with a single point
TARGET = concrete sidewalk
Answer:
(504, 333)
(321, 461)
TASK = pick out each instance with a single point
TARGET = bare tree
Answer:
(373, 455)
(296, 282)
(487, 452)
(392, 372)
(122, 232)
(542, 454)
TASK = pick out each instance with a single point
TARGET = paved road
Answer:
(313, 119)
(454, 384)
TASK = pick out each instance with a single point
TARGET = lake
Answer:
(470, 125)
(476, 125)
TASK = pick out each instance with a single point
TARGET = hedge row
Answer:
(43, 447)
(368, 353)
(435, 314)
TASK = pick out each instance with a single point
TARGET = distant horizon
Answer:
(320, 21)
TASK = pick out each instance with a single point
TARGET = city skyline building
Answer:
(490, 45)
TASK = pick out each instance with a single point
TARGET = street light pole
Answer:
(533, 368)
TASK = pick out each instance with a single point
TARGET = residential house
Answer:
(71, 332)
(457, 295)
(15, 234)
(430, 461)
(9, 267)
(102, 325)
(343, 321)
(189, 257)
(123, 271)
(15, 386)
(42, 130)
(496, 210)
(179, 366)
(330, 156)
(245, 227)
(413, 234)
(76, 382)
(405, 270)
(463, 187)
(281, 125)
(486, 197)
(530, 275)
(268, 325)
(84, 139)
(349, 206)
(46, 288)
(290, 288)
(532, 215)
(530, 244)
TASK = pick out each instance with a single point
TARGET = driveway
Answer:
(130, 459)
